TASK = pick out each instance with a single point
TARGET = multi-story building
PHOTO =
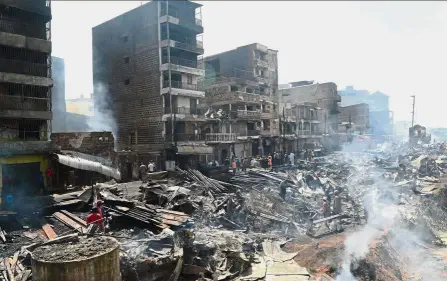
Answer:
(242, 84)
(300, 126)
(381, 118)
(25, 94)
(59, 123)
(325, 97)
(146, 64)
(355, 118)
(82, 105)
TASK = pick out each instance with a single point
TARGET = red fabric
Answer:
(49, 173)
(94, 218)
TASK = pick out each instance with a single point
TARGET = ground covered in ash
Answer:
(85, 248)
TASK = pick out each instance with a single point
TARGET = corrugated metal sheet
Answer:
(194, 149)
(83, 164)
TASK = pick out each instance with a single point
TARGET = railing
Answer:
(180, 85)
(246, 114)
(186, 137)
(23, 29)
(188, 47)
(186, 110)
(307, 132)
(252, 133)
(235, 96)
(221, 137)
(198, 22)
(23, 67)
(24, 103)
(181, 61)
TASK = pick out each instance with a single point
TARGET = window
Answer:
(126, 60)
(234, 89)
(125, 39)
(127, 82)
(189, 78)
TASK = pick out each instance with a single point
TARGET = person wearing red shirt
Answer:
(95, 218)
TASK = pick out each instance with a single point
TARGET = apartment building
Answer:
(300, 126)
(354, 119)
(59, 123)
(325, 97)
(242, 85)
(25, 94)
(146, 64)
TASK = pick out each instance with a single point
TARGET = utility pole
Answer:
(283, 132)
(412, 113)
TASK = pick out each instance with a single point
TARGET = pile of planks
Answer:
(214, 186)
(71, 220)
(11, 269)
(152, 216)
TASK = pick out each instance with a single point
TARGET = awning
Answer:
(194, 149)
(83, 164)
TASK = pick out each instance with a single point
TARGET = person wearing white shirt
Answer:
(151, 167)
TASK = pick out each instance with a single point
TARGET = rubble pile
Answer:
(187, 226)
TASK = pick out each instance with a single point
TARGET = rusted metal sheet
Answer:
(48, 230)
(69, 222)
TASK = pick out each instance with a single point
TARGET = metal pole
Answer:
(169, 73)
(283, 132)
(412, 113)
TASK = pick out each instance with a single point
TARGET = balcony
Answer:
(248, 115)
(41, 7)
(252, 133)
(221, 138)
(24, 103)
(21, 28)
(234, 97)
(182, 137)
(194, 24)
(270, 132)
(185, 44)
(267, 115)
(262, 63)
(180, 85)
(186, 111)
(23, 67)
(262, 79)
(183, 65)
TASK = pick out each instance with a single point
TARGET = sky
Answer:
(399, 48)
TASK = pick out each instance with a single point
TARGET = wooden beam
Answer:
(75, 218)
(8, 269)
(14, 262)
(48, 229)
(69, 222)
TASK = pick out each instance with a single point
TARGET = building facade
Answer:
(146, 64)
(325, 97)
(242, 86)
(25, 95)
(59, 123)
(356, 117)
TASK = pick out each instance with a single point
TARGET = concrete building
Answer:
(146, 64)
(242, 84)
(381, 118)
(59, 123)
(25, 95)
(356, 117)
(325, 97)
(82, 105)
(301, 126)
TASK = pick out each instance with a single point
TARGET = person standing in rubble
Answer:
(337, 203)
(233, 166)
(326, 210)
(270, 162)
(283, 190)
(95, 219)
(151, 166)
(292, 158)
(142, 171)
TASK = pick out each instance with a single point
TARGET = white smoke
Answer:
(103, 119)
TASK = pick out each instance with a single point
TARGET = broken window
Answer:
(189, 78)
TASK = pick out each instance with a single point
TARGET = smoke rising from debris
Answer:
(104, 119)
(381, 202)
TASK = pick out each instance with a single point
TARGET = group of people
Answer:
(145, 169)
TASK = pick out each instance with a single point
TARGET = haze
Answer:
(395, 47)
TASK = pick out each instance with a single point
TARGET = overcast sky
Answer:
(398, 48)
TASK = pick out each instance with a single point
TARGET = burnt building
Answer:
(146, 64)
(326, 97)
(241, 87)
(355, 118)
(25, 94)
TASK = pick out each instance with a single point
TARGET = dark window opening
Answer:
(125, 39)
(126, 60)
(234, 88)
(127, 81)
